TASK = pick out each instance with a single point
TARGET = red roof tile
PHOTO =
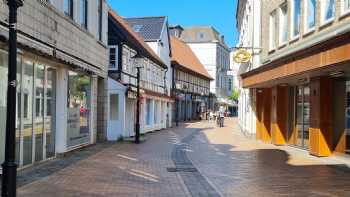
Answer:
(184, 56)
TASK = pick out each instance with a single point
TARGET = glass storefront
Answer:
(347, 117)
(303, 116)
(79, 109)
(3, 102)
(34, 106)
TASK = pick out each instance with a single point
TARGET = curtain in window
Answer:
(311, 13)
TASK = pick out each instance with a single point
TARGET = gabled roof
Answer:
(135, 38)
(184, 57)
(150, 28)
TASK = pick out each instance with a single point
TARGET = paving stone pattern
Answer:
(196, 159)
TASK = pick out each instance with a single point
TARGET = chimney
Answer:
(222, 38)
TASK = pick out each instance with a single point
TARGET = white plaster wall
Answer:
(116, 129)
(249, 36)
(207, 54)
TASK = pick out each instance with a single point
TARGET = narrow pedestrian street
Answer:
(195, 160)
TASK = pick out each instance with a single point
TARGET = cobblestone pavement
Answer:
(196, 160)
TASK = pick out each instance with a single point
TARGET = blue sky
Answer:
(218, 13)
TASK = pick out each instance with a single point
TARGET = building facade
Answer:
(248, 17)
(155, 32)
(302, 87)
(210, 48)
(62, 58)
(191, 84)
(127, 51)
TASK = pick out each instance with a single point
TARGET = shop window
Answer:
(156, 115)
(79, 92)
(3, 102)
(148, 115)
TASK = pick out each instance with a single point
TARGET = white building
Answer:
(63, 58)
(249, 26)
(125, 45)
(212, 51)
(155, 32)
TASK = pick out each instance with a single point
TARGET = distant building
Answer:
(128, 50)
(212, 51)
(155, 32)
(191, 85)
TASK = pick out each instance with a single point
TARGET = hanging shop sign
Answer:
(242, 56)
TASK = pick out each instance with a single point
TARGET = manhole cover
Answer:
(182, 170)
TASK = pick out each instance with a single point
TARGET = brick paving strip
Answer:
(47, 168)
(195, 182)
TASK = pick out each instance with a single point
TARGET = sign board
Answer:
(242, 56)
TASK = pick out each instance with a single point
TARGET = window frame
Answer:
(323, 20)
(308, 29)
(83, 15)
(70, 12)
(272, 37)
(100, 19)
(281, 25)
(116, 47)
(292, 22)
(344, 11)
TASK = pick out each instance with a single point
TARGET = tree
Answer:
(234, 95)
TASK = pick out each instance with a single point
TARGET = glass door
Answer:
(302, 116)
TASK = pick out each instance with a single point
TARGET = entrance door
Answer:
(302, 116)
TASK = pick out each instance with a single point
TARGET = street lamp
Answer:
(138, 66)
(9, 167)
